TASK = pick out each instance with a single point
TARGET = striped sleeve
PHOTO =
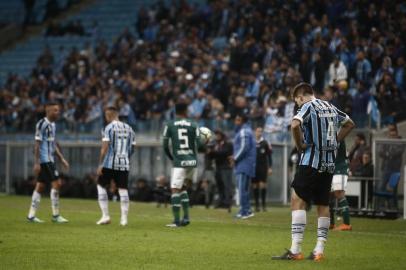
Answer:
(304, 113)
(38, 131)
(133, 141)
(342, 117)
(106, 134)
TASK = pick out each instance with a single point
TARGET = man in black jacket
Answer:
(223, 174)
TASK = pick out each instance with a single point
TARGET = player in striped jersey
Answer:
(117, 146)
(317, 129)
(44, 164)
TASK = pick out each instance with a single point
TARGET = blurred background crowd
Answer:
(225, 57)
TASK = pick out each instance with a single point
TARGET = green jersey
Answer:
(341, 160)
(184, 135)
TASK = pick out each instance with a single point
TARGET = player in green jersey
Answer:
(184, 137)
(338, 188)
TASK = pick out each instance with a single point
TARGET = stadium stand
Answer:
(225, 56)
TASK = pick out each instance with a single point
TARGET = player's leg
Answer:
(184, 197)
(55, 187)
(302, 186)
(321, 197)
(339, 185)
(262, 187)
(177, 181)
(255, 190)
(102, 182)
(332, 206)
(35, 201)
(122, 184)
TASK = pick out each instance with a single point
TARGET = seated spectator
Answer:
(162, 191)
(356, 151)
(143, 192)
(365, 169)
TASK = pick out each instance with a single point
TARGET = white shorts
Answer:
(339, 182)
(178, 176)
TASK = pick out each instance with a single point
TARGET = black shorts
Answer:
(260, 176)
(48, 173)
(119, 177)
(312, 186)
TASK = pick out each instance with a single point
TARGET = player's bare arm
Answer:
(345, 129)
(103, 152)
(37, 166)
(59, 154)
(297, 135)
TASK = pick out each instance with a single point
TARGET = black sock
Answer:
(263, 197)
(331, 208)
(256, 197)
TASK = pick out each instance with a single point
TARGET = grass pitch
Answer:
(214, 240)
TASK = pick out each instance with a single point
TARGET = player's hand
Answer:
(36, 169)
(231, 161)
(99, 171)
(270, 171)
(65, 164)
(303, 147)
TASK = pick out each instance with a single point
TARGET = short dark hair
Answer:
(181, 107)
(361, 136)
(302, 88)
(51, 103)
(243, 116)
(112, 108)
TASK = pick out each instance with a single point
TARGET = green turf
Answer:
(214, 240)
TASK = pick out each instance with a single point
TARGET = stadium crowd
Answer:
(225, 57)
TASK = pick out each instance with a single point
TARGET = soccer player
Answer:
(117, 146)
(244, 158)
(44, 164)
(338, 188)
(314, 130)
(263, 169)
(184, 137)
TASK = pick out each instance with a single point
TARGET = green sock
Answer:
(175, 201)
(343, 205)
(184, 199)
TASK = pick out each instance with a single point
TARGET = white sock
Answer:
(103, 200)
(124, 202)
(322, 230)
(36, 198)
(298, 227)
(55, 202)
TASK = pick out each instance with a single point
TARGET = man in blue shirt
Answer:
(244, 159)
(44, 164)
(317, 129)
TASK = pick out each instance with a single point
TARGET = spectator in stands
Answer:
(365, 169)
(356, 151)
(360, 105)
(143, 191)
(391, 155)
(337, 71)
(253, 59)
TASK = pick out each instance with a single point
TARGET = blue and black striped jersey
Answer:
(320, 122)
(45, 133)
(121, 140)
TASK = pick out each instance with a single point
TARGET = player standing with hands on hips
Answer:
(314, 130)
